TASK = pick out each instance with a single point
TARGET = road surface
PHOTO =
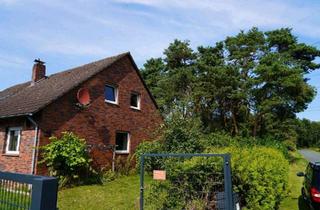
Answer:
(310, 155)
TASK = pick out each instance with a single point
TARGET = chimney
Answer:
(38, 71)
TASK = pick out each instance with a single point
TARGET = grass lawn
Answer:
(122, 193)
(294, 200)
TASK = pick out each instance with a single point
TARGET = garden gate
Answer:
(27, 192)
(196, 181)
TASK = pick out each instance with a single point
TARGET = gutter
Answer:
(15, 115)
(35, 143)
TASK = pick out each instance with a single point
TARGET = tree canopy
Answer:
(250, 84)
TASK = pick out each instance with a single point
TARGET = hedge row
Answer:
(259, 173)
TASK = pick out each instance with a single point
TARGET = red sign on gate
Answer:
(159, 175)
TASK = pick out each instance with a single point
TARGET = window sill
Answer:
(122, 153)
(111, 103)
(135, 108)
(11, 155)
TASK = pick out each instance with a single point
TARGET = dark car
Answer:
(311, 185)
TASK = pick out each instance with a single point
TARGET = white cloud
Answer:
(243, 14)
(11, 61)
(8, 2)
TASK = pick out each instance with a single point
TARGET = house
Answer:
(105, 102)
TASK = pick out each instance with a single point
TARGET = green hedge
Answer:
(190, 184)
(260, 175)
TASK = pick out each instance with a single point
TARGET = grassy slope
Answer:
(294, 200)
(123, 193)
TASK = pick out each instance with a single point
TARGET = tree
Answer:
(171, 78)
(308, 133)
(250, 84)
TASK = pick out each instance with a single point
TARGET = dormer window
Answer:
(111, 94)
(135, 101)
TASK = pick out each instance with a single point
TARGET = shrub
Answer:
(67, 159)
(191, 183)
(108, 176)
(260, 175)
(149, 147)
(220, 139)
(125, 165)
(182, 136)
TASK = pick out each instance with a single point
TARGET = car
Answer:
(310, 190)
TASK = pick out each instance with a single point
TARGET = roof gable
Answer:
(27, 99)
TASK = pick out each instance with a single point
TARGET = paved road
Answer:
(310, 155)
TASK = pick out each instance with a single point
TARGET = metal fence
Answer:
(189, 181)
(27, 192)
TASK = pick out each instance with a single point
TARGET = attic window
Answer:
(111, 94)
(135, 101)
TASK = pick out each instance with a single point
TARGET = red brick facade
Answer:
(97, 123)
(17, 163)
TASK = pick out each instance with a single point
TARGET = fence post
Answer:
(44, 193)
(141, 181)
(228, 183)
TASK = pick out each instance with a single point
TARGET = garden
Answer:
(239, 96)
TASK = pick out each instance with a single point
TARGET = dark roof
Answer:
(27, 99)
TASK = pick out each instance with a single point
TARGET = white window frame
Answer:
(127, 151)
(18, 143)
(138, 102)
(116, 92)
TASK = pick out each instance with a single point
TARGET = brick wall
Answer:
(99, 122)
(17, 163)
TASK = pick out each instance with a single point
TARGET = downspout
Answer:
(35, 143)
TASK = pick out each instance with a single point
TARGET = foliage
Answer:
(67, 159)
(250, 84)
(108, 176)
(125, 165)
(260, 175)
(222, 139)
(149, 147)
(192, 182)
(308, 133)
(181, 135)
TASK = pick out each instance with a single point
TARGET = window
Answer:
(111, 94)
(135, 101)
(122, 142)
(13, 140)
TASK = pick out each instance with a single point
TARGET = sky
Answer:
(66, 34)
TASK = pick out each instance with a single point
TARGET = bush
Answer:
(67, 159)
(182, 136)
(125, 165)
(191, 183)
(220, 139)
(149, 147)
(260, 175)
(108, 176)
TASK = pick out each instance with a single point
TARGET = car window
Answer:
(316, 179)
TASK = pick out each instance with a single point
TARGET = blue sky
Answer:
(70, 33)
